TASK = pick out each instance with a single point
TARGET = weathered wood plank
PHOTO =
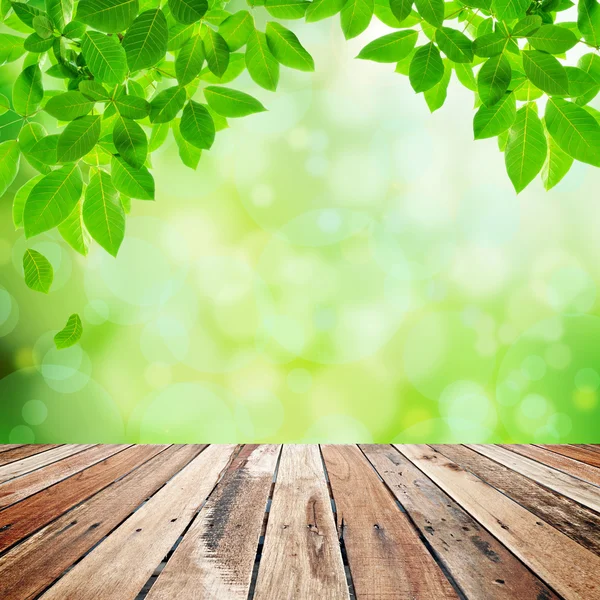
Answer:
(37, 461)
(482, 567)
(564, 484)
(17, 489)
(564, 565)
(23, 451)
(574, 520)
(216, 557)
(301, 556)
(386, 556)
(120, 566)
(33, 565)
(558, 462)
(6, 447)
(22, 519)
(580, 453)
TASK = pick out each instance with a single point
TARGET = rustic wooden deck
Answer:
(83, 522)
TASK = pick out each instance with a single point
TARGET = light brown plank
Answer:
(482, 567)
(6, 447)
(387, 559)
(301, 556)
(582, 454)
(37, 461)
(120, 566)
(17, 489)
(23, 451)
(33, 565)
(576, 521)
(216, 557)
(564, 484)
(564, 565)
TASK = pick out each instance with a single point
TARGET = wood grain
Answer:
(481, 566)
(216, 557)
(387, 559)
(37, 562)
(301, 558)
(7, 447)
(560, 482)
(18, 452)
(564, 565)
(580, 453)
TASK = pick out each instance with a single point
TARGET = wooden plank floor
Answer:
(299, 522)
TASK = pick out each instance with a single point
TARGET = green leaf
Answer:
(197, 126)
(260, 62)
(455, 45)
(356, 16)
(68, 106)
(26, 12)
(492, 121)
(73, 232)
(391, 47)
(70, 334)
(43, 153)
(130, 141)
(323, 9)
(508, 10)
(588, 21)
(401, 8)
(557, 165)
(145, 42)
(236, 29)
(78, 138)
(132, 107)
(581, 83)
(20, 198)
(43, 26)
(93, 90)
(493, 79)
(553, 39)
(188, 11)
(27, 91)
(10, 155)
(432, 11)
(103, 214)
(159, 134)
(232, 103)
(104, 57)
(287, 49)
(189, 60)
(52, 200)
(575, 131)
(60, 12)
(38, 271)
(526, 148)
(165, 105)
(527, 26)
(74, 30)
(11, 48)
(490, 44)
(110, 16)
(237, 65)
(286, 9)
(436, 96)
(136, 183)
(34, 43)
(190, 155)
(464, 73)
(426, 68)
(546, 73)
(216, 51)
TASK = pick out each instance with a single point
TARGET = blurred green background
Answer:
(345, 267)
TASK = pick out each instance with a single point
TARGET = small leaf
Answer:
(20, 198)
(104, 57)
(136, 183)
(436, 96)
(26, 12)
(454, 44)
(492, 121)
(132, 107)
(236, 29)
(43, 153)
(165, 105)
(10, 155)
(60, 12)
(38, 271)
(400, 8)
(34, 43)
(68, 106)
(287, 49)
(557, 165)
(356, 16)
(197, 126)
(286, 9)
(110, 16)
(188, 11)
(73, 232)
(553, 39)
(432, 11)
(526, 26)
(237, 65)
(216, 51)
(260, 62)
(546, 73)
(28, 91)
(93, 90)
(43, 26)
(493, 79)
(130, 141)
(490, 44)
(11, 48)
(231, 103)
(426, 68)
(145, 42)
(580, 82)
(78, 138)
(190, 155)
(391, 47)
(189, 60)
(159, 134)
(70, 334)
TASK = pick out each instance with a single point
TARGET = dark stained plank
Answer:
(387, 559)
(120, 566)
(580, 453)
(560, 482)
(570, 569)
(561, 463)
(301, 556)
(17, 489)
(216, 557)
(482, 567)
(29, 515)
(34, 564)
(574, 520)
(19, 452)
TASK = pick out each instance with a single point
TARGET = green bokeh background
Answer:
(345, 268)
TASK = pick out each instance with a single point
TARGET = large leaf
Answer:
(26, 12)
(135, 183)
(70, 334)
(197, 126)
(38, 271)
(400, 8)
(20, 199)
(490, 44)
(391, 47)
(103, 214)
(454, 44)
(28, 91)
(11, 48)
(356, 16)
(189, 154)
(492, 121)
(581, 83)
(10, 155)
(508, 10)
(323, 9)
(588, 21)
(493, 79)
(165, 105)
(557, 165)
(526, 148)
(34, 43)
(553, 39)
(436, 96)
(546, 73)
(188, 11)
(231, 103)
(132, 107)
(73, 232)
(432, 11)
(78, 138)
(260, 62)
(287, 49)
(105, 57)
(574, 130)
(60, 12)
(189, 60)
(110, 16)
(216, 51)
(426, 68)
(236, 28)
(130, 141)
(52, 200)
(287, 9)
(44, 153)
(68, 106)
(145, 42)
